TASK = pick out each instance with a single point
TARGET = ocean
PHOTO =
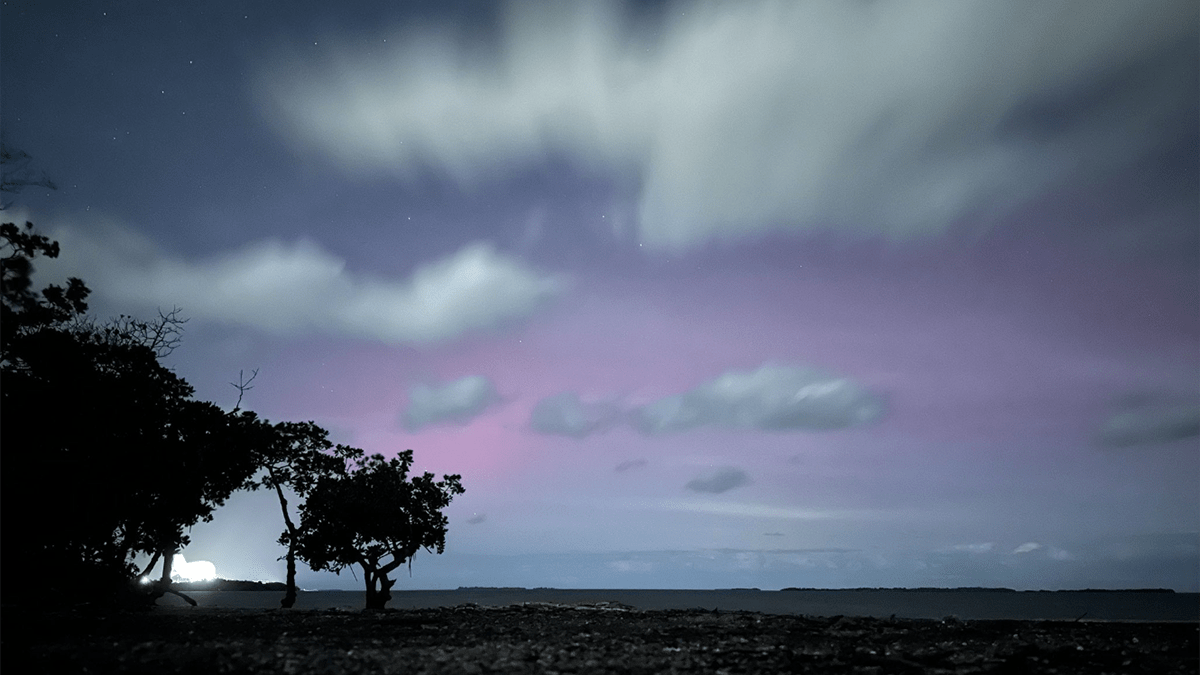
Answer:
(963, 604)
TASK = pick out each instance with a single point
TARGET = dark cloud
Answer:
(565, 415)
(1150, 419)
(772, 397)
(456, 402)
(630, 465)
(672, 413)
(722, 480)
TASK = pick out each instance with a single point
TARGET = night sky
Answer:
(693, 295)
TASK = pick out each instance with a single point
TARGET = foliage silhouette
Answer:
(111, 454)
(113, 458)
(372, 515)
(25, 311)
(294, 455)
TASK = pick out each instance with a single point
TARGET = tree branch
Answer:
(153, 562)
(243, 386)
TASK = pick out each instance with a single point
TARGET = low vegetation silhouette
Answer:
(113, 458)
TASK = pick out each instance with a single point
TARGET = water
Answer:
(914, 604)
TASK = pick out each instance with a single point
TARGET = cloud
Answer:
(634, 566)
(983, 547)
(759, 510)
(673, 413)
(456, 402)
(772, 397)
(723, 480)
(630, 465)
(565, 415)
(897, 118)
(1145, 420)
(298, 287)
(1060, 554)
(744, 510)
(477, 519)
(1050, 552)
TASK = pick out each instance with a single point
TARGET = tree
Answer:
(113, 458)
(292, 455)
(295, 456)
(23, 311)
(373, 516)
(209, 455)
(110, 453)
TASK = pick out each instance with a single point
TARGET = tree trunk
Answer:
(376, 598)
(289, 598)
(168, 558)
(163, 585)
(153, 562)
(385, 589)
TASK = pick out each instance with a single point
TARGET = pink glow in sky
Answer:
(691, 294)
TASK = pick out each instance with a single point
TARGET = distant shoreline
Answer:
(243, 585)
(982, 604)
(228, 585)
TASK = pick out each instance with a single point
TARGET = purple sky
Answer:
(691, 294)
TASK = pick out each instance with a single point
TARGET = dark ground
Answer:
(597, 638)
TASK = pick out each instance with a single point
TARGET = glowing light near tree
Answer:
(200, 570)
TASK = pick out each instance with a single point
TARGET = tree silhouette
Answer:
(373, 516)
(291, 455)
(25, 311)
(110, 453)
(295, 455)
(113, 458)
(210, 454)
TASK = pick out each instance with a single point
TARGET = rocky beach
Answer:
(602, 637)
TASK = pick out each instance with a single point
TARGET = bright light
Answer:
(201, 570)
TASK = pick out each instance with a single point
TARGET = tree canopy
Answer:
(293, 455)
(110, 452)
(112, 457)
(373, 516)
